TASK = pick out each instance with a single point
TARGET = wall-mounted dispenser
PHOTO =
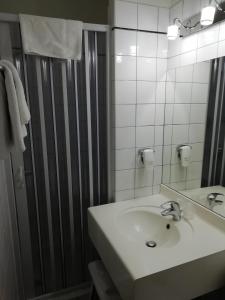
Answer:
(146, 156)
(184, 154)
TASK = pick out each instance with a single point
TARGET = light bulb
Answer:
(207, 15)
(172, 32)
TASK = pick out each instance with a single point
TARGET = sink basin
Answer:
(185, 250)
(144, 224)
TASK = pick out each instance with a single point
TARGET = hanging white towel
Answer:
(51, 37)
(6, 139)
(18, 111)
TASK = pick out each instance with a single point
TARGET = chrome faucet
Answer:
(171, 208)
(213, 201)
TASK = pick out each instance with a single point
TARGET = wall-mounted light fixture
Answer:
(207, 18)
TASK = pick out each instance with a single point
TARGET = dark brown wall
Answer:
(90, 11)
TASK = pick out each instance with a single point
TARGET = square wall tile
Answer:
(146, 44)
(144, 177)
(170, 92)
(222, 31)
(125, 42)
(158, 155)
(168, 131)
(189, 43)
(184, 74)
(171, 75)
(166, 174)
(145, 114)
(180, 134)
(124, 180)
(156, 189)
(169, 114)
(188, 58)
(147, 17)
(125, 137)
(174, 47)
(208, 36)
(201, 72)
(161, 69)
(145, 136)
(181, 113)
(200, 93)
(162, 50)
(125, 159)
(178, 173)
(125, 14)
(146, 69)
(143, 192)
(174, 62)
(197, 133)
(125, 115)
(221, 48)
(174, 155)
(157, 175)
(198, 113)
(194, 171)
(159, 135)
(125, 92)
(163, 21)
(160, 92)
(183, 92)
(146, 92)
(197, 152)
(159, 114)
(124, 195)
(167, 154)
(207, 52)
(125, 67)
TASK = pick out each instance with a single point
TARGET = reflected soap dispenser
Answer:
(184, 154)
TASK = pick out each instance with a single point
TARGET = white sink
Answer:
(188, 260)
(144, 224)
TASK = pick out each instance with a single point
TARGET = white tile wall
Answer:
(147, 44)
(148, 17)
(140, 67)
(185, 117)
(140, 64)
(125, 14)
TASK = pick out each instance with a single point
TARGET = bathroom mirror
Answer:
(194, 133)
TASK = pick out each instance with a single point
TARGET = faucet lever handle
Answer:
(212, 196)
(169, 204)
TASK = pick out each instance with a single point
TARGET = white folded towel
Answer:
(17, 106)
(51, 37)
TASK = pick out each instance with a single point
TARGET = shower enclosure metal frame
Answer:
(15, 177)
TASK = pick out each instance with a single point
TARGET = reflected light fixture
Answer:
(172, 32)
(207, 15)
(207, 18)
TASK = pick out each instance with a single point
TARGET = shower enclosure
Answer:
(67, 164)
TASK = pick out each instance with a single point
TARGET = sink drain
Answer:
(151, 244)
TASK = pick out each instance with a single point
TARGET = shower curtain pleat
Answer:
(68, 131)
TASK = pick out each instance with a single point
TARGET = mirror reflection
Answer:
(194, 133)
